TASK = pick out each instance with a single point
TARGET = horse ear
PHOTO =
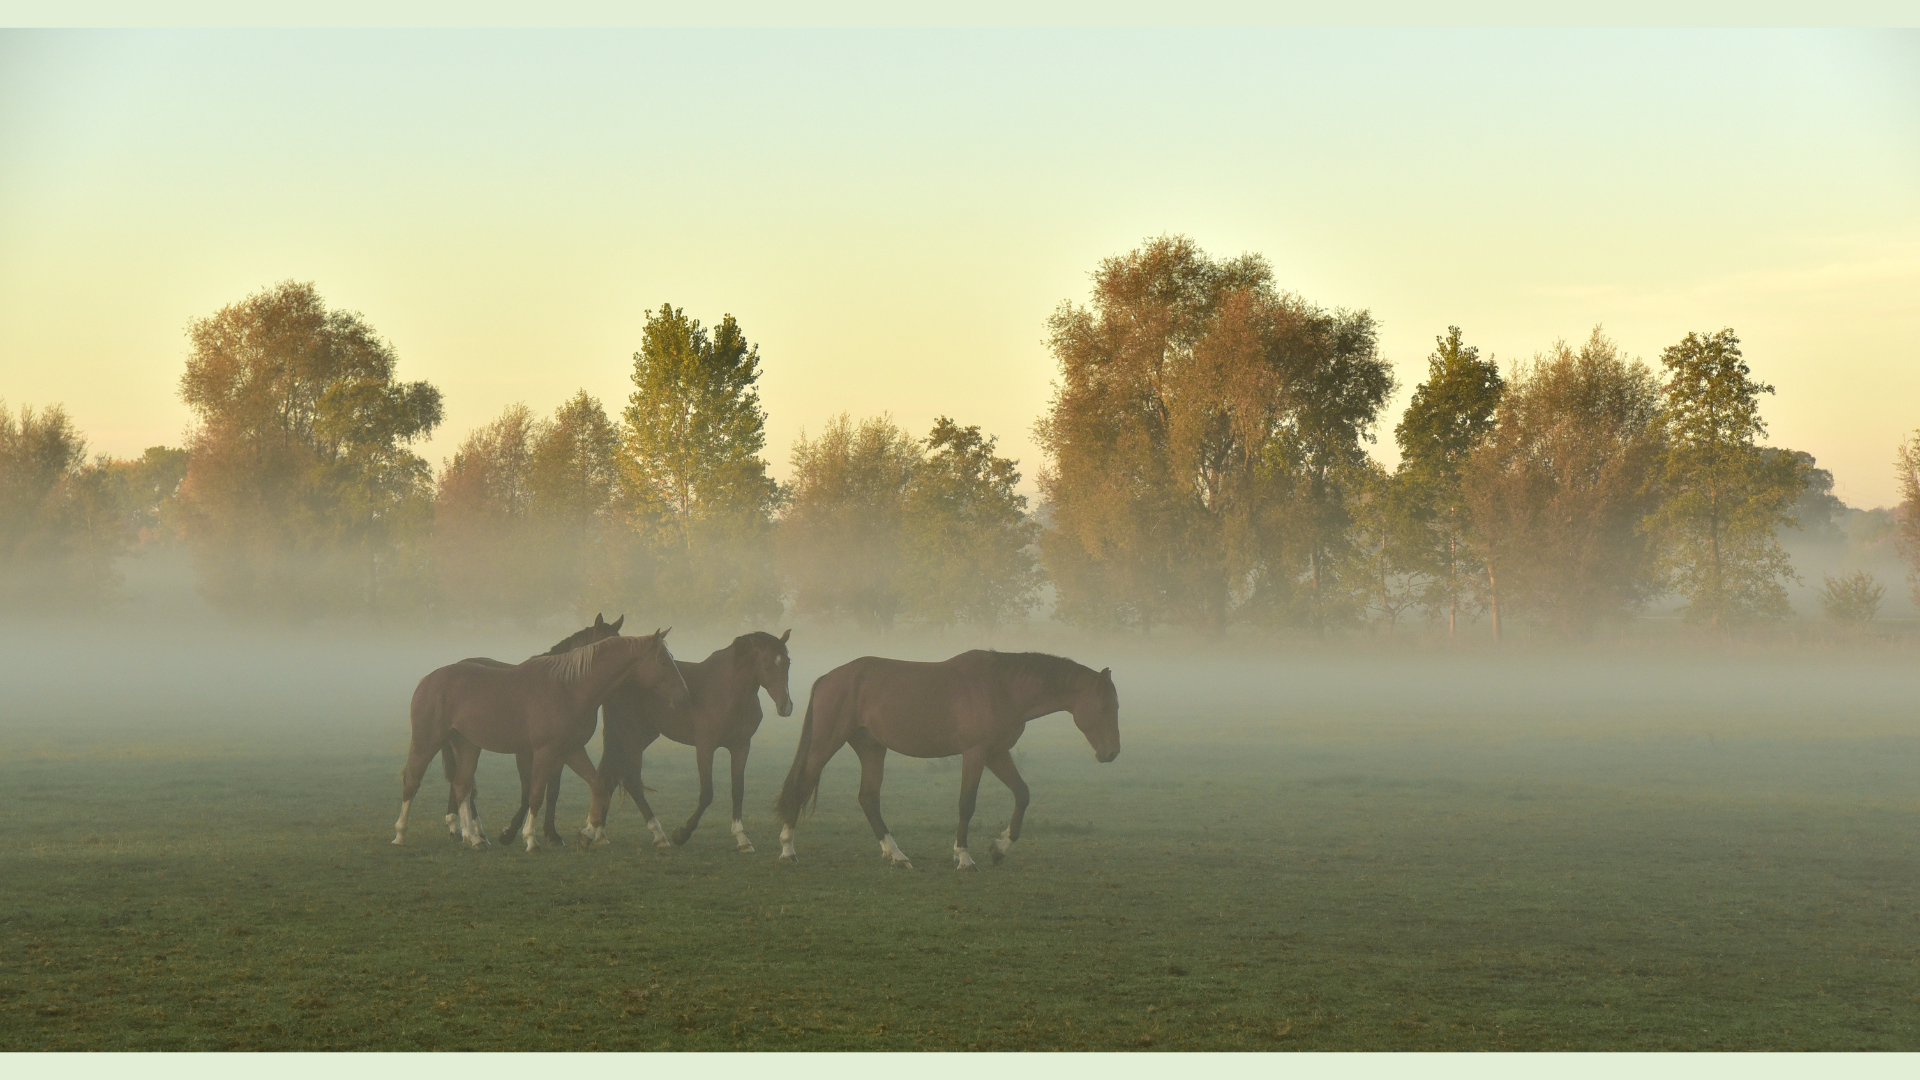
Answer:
(615, 624)
(599, 619)
(1106, 673)
(785, 634)
(662, 634)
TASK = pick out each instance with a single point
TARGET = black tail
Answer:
(794, 794)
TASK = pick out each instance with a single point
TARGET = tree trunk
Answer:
(1493, 600)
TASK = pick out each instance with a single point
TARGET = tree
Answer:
(59, 529)
(1852, 599)
(1907, 516)
(843, 536)
(699, 497)
(970, 539)
(1558, 495)
(1725, 497)
(573, 479)
(302, 495)
(486, 552)
(1451, 416)
(1197, 441)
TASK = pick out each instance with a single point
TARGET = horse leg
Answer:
(470, 830)
(703, 757)
(453, 808)
(629, 776)
(1001, 762)
(545, 771)
(737, 759)
(819, 747)
(970, 765)
(596, 827)
(525, 763)
(411, 774)
(553, 802)
(873, 762)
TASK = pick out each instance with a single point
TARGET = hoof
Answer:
(998, 855)
(904, 864)
(681, 836)
(397, 840)
(745, 849)
(789, 858)
(968, 867)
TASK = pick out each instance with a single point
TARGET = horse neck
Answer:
(731, 670)
(595, 683)
(1039, 701)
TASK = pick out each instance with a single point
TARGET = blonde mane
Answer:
(569, 666)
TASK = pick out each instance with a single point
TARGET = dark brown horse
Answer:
(976, 705)
(600, 629)
(724, 712)
(547, 707)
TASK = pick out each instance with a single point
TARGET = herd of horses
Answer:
(975, 706)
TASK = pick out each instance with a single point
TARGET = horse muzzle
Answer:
(784, 708)
(1106, 757)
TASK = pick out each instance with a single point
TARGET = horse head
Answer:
(1096, 712)
(766, 656)
(655, 670)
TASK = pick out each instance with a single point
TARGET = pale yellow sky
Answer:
(892, 216)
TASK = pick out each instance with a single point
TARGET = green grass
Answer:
(1487, 859)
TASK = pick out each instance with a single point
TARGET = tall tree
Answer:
(490, 562)
(1725, 497)
(1559, 494)
(59, 526)
(1907, 516)
(843, 535)
(1197, 440)
(971, 541)
(302, 494)
(1450, 417)
(573, 477)
(701, 501)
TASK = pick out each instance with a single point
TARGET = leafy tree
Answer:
(1392, 532)
(1725, 498)
(1818, 512)
(844, 539)
(971, 541)
(573, 477)
(145, 488)
(1198, 442)
(1907, 516)
(59, 532)
(700, 499)
(301, 494)
(1450, 417)
(1557, 496)
(486, 551)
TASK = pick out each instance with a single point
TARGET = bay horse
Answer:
(976, 705)
(547, 707)
(724, 712)
(601, 628)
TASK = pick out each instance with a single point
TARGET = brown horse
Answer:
(976, 705)
(724, 712)
(600, 629)
(547, 707)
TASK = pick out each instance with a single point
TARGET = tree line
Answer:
(1206, 466)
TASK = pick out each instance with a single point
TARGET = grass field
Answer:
(1299, 851)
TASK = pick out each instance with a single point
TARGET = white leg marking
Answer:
(892, 851)
(453, 824)
(594, 835)
(1004, 841)
(400, 826)
(527, 830)
(660, 837)
(786, 845)
(740, 836)
(962, 860)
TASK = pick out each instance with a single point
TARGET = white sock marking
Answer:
(400, 826)
(786, 844)
(660, 837)
(1004, 841)
(891, 850)
(962, 860)
(740, 836)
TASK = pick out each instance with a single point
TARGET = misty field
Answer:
(1297, 849)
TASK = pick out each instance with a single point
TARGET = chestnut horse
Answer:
(547, 707)
(601, 628)
(976, 705)
(724, 712)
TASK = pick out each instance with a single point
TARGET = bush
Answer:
(1852, 600)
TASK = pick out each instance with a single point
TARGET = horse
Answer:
(724, 712)
(601, 628)
(976, 705)
(547, 707)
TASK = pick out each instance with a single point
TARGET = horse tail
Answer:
(794, 794)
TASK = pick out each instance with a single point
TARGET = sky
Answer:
(893, 215)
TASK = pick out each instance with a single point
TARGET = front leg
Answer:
(1001, 763)
(703, 754)
(737, 758)
(970, 765)
(525, 763)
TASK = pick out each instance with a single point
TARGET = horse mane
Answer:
(754, 637)
(1055, 674)
(571, 641)
(566, 668)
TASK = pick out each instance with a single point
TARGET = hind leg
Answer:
(453, 806)
(596, 827)
(553, 804)
(703, 758)
(525, 764)
(545, 771)
(1001, 762)
(411, 774)
(469, 760)
(970, 764)
(873, 763)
